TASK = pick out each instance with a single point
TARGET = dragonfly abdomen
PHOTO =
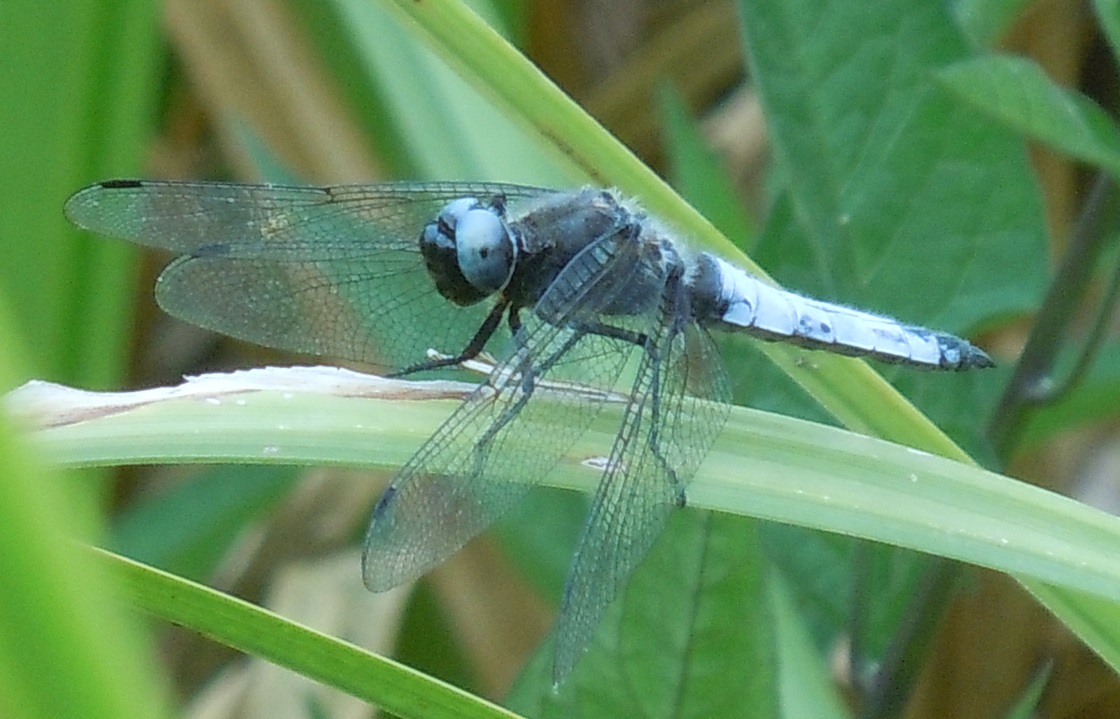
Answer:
(746, 304)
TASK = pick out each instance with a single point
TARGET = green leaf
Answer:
(188, 529)
(69, 290)
(1093, 618)
(1108, 13)
(891, 179)
(1017, 93)
(805, 691)
(985, 21)
(420, 114)
(65, 649)
(248, 628)
(819, 573)
(888, 188)
(75, 88)
(691, 635)
(698, 174)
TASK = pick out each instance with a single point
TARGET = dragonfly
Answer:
(576, 289)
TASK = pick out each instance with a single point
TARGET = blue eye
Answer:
(485, 250)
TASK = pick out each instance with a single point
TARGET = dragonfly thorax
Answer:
(468, 251)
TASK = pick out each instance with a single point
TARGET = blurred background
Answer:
(339, 91)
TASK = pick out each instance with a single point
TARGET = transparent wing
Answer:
(499, 444)
(679, 404)
(320, 270)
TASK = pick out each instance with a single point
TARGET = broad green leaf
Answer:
(985, 21)
(887, 203)
(189, 528)
(691, 636)
(911, 204)
(821, 578)
(1017, 93)
(894, 197)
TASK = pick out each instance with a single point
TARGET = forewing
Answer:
(675, 413)
(498, 444)
(331, 270)
(187, 217)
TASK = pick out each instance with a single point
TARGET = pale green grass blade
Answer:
(70, 117)
(497, 68)
(764, 465)
(65, 650)
(1094, 619)
(417, 112)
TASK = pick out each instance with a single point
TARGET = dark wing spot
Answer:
(120, 184)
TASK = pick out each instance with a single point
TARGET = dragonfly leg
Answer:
(528, 372)
(527, 376)
(473, 348)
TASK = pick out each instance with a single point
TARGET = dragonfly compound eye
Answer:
(485, 250)
(438, 247)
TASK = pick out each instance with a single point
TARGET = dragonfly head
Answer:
(468, 250)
